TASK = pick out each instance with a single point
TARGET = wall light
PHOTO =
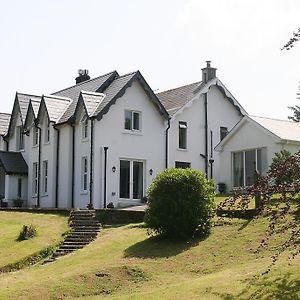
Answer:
(151, 171)
(113, 169)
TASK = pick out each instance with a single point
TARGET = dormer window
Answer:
(85, 127)
(20, 138)
(47, 132)
(132, 120)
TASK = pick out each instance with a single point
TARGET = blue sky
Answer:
(44, 43)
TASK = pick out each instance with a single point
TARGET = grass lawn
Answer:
(125, 263)
(49, 227)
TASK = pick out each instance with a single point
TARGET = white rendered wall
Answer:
(11, 189)
(148, 145)
(221, 113)
(249, 136)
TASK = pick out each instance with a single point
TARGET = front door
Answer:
(131, 179)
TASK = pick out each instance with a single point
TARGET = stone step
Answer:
(85, 223)
(86, 228)
(71, 247)
(75, 243)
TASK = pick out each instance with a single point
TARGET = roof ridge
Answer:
(127, 74)
(84, 82)
(181, 86)
(92, 93)
(26, 94)
(274, 119)
(60, 98)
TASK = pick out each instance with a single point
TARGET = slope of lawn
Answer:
(49, 227)
(125, 263)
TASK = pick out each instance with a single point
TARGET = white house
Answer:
(104, 139)
(201, 114)
(251, 145)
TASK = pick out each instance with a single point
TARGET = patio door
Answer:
(131, 179)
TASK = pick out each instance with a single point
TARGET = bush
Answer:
(27, 232)
(278, 162)
(180, 204)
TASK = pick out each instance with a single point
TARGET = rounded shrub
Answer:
(180, 204)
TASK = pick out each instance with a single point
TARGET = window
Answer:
(246, 164)
(223, 132)
(47, 132)
(20, 137)
(132, 120)
(35, 179)
(85, 127)
(19, 187)
(182, 135)
(182, 164)
(131, 179)
(35, 137)
(45, 176)
(84, 174)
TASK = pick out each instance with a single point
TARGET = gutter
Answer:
(73, 165)
(57, 166)
(167, 142)
(39, 166)
(105, 176)
(91, 163)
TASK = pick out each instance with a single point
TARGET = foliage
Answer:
(278, 161)
(180, 204)
(292, 40)
(27, 232)
(282, 180)
(296, 112)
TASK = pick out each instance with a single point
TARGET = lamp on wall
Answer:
(113, 169)
(151, 171)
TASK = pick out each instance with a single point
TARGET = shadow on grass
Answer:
(156, 246)
(245, 224)
(281, 288)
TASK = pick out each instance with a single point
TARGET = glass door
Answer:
(131, 179)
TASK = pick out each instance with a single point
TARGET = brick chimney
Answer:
(83, 76)
(208, 72)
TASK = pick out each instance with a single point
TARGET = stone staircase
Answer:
(84, 229)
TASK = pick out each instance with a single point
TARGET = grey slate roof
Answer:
(113, 89)
(174, 99)
(13, 163)
(91, 101)
(93, 85)
(23, 100)
(4, 122)
(35, 106)
(55, 106)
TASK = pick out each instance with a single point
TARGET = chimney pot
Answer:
(208, 72)
(83, 75)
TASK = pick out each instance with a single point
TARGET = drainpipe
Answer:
(91, 163)
(57, 166)
(73, 165)
(206, 134)
(105, 175)
(39, 166)
(167, 142)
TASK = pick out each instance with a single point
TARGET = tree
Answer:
(292, 40)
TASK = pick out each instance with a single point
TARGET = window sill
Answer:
(46, 143)
(183, 150)
(132, 132)
(83, 192)
(35, 146)
(84, 140)
(45, 195)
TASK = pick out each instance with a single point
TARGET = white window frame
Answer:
(132, 125)
(35, 136)
(20, 138)
(244, 163)
(47, 132)
(182, 125)
(45, 176)
(84, 127)
(84, 174)
(34, 179)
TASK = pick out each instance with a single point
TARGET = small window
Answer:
(132, 120)
(182, 164)
(19, 187)
(45, 176)
(20, 136)
(35, 179)
(182, 135)
(223, 132)
(85, 127)
(84, 174)
(35, 137)
(47, 132)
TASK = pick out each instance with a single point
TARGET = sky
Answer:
(43, 43)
